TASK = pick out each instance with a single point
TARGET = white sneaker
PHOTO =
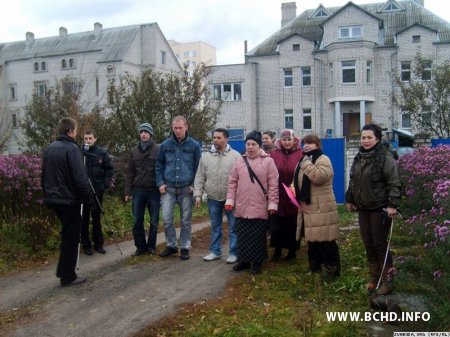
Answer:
(231, 259)
(211, 257)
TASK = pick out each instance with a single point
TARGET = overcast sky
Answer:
(224, 24)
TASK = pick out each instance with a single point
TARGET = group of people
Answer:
(282, 185)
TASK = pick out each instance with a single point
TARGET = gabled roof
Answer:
(350, 4)
(320, 13)
(113, 43)
(391, 6)
(393, 23)
(417, 25)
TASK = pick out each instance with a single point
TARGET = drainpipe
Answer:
(320, 95)
(256, 93)
(393, 67)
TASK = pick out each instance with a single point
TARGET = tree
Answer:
(426, 97)
(157, 98)
(42, 113)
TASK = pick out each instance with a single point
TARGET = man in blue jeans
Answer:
(177, 163)
(212, 178)
(140, 187)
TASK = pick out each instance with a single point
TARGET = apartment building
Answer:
(194, 53)
(328, 69)
(91, 58)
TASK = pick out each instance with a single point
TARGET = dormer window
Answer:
(391, 7)
(350, 32)
(321, 14)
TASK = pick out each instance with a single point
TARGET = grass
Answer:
(282, 301)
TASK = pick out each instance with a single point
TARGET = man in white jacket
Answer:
(212, 178)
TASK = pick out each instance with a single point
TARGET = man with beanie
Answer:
(141, 189)
(100, 170)
(65, 188)
(177, 164)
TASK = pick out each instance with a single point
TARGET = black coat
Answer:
(63, 178)
(99, 168)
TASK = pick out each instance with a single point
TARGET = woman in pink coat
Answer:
(253, 193)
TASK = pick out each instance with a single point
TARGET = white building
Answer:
(193, 53)
(91, 58)
(328, 69)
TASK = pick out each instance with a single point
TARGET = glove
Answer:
(228, 207)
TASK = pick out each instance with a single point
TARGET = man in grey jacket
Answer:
(212, 178)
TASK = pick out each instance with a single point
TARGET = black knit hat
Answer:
(146, 127)
(256, 136)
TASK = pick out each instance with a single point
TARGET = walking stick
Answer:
(387, 252)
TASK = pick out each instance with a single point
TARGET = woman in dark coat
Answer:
(374, 191)
(286, 156)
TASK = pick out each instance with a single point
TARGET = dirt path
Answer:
(118, 299)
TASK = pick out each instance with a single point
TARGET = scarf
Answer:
(145, 145)
(305, 192)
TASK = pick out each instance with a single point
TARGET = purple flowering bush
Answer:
(425, 177)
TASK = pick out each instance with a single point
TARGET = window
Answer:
(40, 88)
(186, 54)
(369, 72)
(306, 76)
(287, 77)
(43, 66)
(36, 66)
(71, 63)
(14, 121)
(63, 64)
(391, 8)
(426, 119)
(307, 119)
(289, 118)
(348, 71)
(97, 86)
(70, 87)
(110, 70)
(321, 14)
(194, 53)
(12, 92)
(405, 70)
(406, 120)
(227, 92)
(416, 39)
(163, 57)
(296, 47)
(350, 32)
(426, 72)
(331, 74)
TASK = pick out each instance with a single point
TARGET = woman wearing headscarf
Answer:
(286, 156)
(374, 191)
(313, 179)
(253, 193)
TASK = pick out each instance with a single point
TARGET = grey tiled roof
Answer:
(393, 23)
(112, 42)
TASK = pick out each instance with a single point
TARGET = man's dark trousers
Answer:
(70, 218)
(97, 235)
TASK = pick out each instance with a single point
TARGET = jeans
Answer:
(70, 218)
(215, 209)
(97, 235)
(184, 198)
(141, 200)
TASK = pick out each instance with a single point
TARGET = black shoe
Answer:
(78, 280)
(241, 266)
(184, 254)
(139, 252)
(169, 251)
(256, 268)
(290, 255)
(88, 251)
(100, 250)
(152, 251)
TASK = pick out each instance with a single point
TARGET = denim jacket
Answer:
(177, 162)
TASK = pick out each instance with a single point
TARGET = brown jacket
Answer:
(320, 218)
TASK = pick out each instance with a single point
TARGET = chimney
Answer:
(288, 12)
(29, 37)
(98, 28)
(245, 47)
(62, 33)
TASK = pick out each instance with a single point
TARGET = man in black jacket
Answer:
(99, 169)
(65, 188)
(140, 187)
